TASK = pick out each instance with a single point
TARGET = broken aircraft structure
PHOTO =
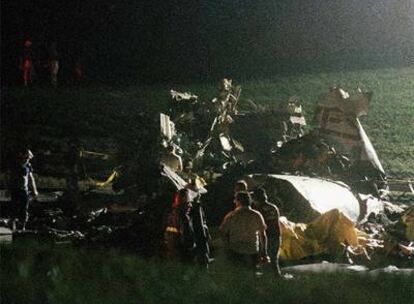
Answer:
(327, 181)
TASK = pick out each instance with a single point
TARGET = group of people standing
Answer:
(28, 61)
(27, 64)
(186, 234)
(250, 231)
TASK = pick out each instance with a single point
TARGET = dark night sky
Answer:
(197, 40)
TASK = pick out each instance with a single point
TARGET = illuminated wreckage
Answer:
(328, 182)
(329, 178)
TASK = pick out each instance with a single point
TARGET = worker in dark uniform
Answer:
(271, 215)
(21, 180)
(201, 234)
(179, 238)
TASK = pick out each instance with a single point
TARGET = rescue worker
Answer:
(271, 215)
(26, 63)
(179, 232)
(244, 233)
(21, 180)
(201, 233)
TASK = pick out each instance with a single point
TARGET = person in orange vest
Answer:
(26, 63)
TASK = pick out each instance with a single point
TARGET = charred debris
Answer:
(333, 192)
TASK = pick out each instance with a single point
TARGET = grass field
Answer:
(64, 275)
(103, 115)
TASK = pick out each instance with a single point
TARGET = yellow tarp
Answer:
(323, 235)
(294, 242)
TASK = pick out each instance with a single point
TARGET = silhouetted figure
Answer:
(201, 233)
(271, 215)
(53, 63)
(179, 236)
(244, 233)
(239, 186)
(21, 180)
(26, 63)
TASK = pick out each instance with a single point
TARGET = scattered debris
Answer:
(332, 187)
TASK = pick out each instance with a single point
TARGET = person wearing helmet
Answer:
(21, 180)
(179, 238)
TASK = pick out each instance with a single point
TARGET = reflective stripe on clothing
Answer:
(172, 230)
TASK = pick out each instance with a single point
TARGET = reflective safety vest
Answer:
(173, 222)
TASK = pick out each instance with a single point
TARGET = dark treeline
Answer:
(158, 40)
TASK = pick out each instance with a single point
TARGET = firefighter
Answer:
(201, 231)
(179, 238)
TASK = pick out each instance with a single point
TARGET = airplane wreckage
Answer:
(328, 182)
